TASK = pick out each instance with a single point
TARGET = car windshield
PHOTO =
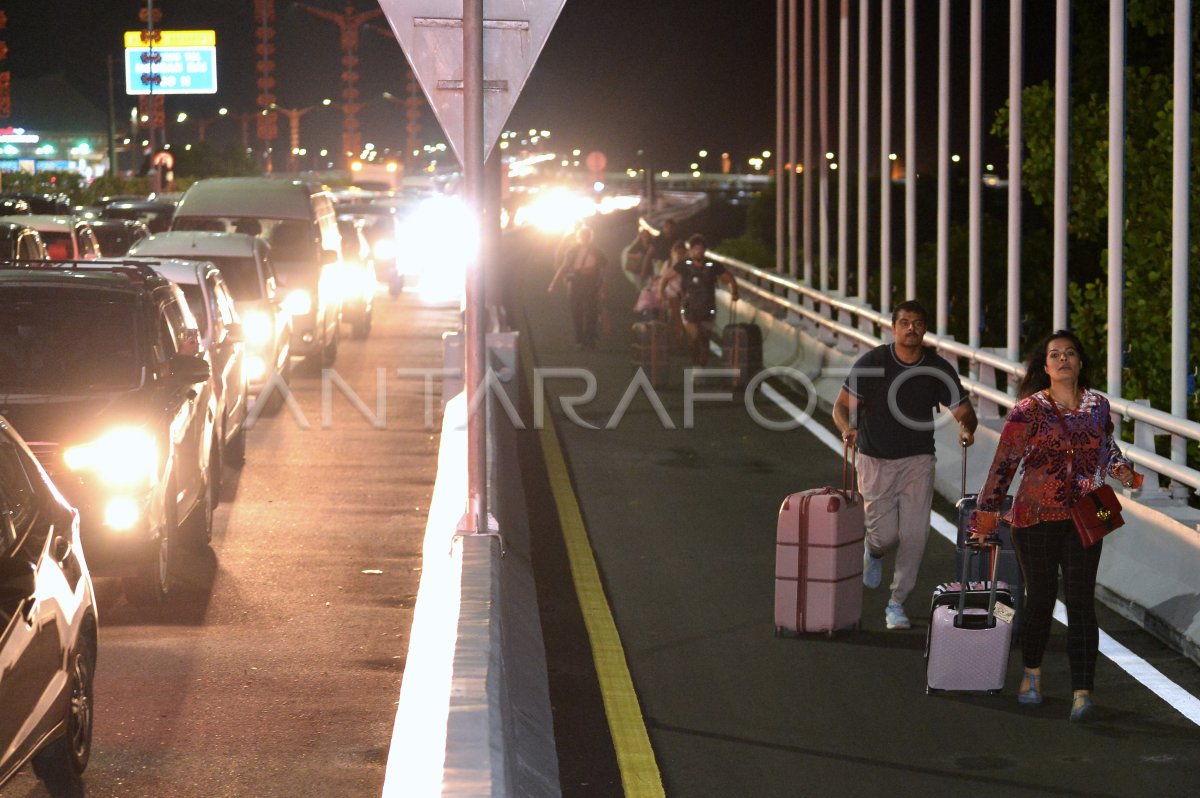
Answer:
(58, 245)
(65, 340)
(290, 239)
(241, 277)
(114, 241)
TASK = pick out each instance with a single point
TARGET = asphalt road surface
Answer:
(682, 524)
(276, 670)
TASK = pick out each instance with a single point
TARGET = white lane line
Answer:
(1153, 679)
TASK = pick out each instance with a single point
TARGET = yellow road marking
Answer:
(635, 757)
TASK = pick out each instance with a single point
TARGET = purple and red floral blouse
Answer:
(1034, 436)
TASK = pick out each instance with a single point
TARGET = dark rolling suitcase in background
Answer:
(818, 558)
(970, 631)
(1008, 569)
(651, 350)
(743, 350)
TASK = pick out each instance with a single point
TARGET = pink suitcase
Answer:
(967, 647)
(818, 560)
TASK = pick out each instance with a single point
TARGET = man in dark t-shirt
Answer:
(698, 287)
(885, 409)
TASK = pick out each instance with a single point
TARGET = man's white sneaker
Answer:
(896, 619)
(872, 568)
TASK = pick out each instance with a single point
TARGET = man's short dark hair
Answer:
(697, 238)
(910, 306)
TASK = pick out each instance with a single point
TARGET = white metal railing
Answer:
(820, 308)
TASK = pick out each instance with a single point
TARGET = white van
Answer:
(297, 219)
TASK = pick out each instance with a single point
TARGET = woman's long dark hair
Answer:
(1036, 379)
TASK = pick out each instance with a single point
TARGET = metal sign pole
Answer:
(474, 325)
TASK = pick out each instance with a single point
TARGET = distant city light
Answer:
(545, 134)
(766, 154)
(990, 168)
(703, 153)
(695, 173)
(891, 156)
(829, 156)
(223, 111)
(756, 162)
(576, 152)
(833, 166)
(956, 158)
(693, 166)
(503, 146)
(182, 117)
(665, 173)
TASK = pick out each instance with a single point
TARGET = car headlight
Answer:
(258, 329)
(340, 282)
(125, 456)
(384, 249)
(256, 368)
(298, 302)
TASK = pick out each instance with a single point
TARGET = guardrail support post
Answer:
(988, 408)
(1143, 438)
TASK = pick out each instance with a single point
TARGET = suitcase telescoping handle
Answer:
(962, 493)
(849, 467)
(993, 545)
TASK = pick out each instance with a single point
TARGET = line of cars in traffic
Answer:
(126, 387)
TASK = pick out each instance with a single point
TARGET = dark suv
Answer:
(102, 373)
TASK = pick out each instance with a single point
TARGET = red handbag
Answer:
(1096, 513)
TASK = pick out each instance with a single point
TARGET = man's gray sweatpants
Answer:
(897, 496)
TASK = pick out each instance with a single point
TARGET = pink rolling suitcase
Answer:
(818, 559)
(969, 637)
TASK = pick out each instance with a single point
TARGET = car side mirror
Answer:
(329, 256)
(190, 369)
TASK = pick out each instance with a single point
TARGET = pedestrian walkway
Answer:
(678, 491)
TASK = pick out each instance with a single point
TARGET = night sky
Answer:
(664, 77)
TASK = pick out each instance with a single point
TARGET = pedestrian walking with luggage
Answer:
(658, 257)
(670, 290)
(1061, 430)
(634, 255)
(582, 268)
(698, 299)
(885, 409)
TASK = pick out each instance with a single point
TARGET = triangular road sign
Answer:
(431, 35)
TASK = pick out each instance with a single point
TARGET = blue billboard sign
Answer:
(171, 70)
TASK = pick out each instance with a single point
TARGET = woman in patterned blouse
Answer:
(1043, 535)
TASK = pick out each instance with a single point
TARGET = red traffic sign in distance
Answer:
(430, 33)
(596, 162)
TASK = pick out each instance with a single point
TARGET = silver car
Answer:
(48, 625)
(245, 263)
